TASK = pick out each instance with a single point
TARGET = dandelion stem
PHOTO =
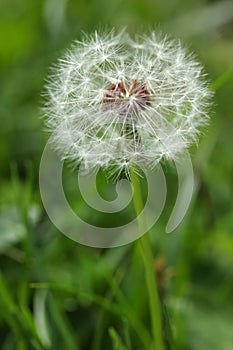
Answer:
(147, 255)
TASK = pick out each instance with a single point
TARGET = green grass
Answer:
(57, 294)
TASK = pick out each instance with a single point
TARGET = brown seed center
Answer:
(128, 97)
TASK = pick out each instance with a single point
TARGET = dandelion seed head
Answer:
(116, 102)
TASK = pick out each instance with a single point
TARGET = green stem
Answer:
(154, 302)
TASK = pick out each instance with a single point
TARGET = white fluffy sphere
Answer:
(114, 102)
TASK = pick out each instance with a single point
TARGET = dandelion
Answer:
(118, 103)
(114, 102)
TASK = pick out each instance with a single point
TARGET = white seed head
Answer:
(114, 102)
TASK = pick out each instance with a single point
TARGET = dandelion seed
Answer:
(114, 102)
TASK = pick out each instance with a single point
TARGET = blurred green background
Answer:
(57, 294)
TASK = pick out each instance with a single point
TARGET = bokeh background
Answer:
(57, 294)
